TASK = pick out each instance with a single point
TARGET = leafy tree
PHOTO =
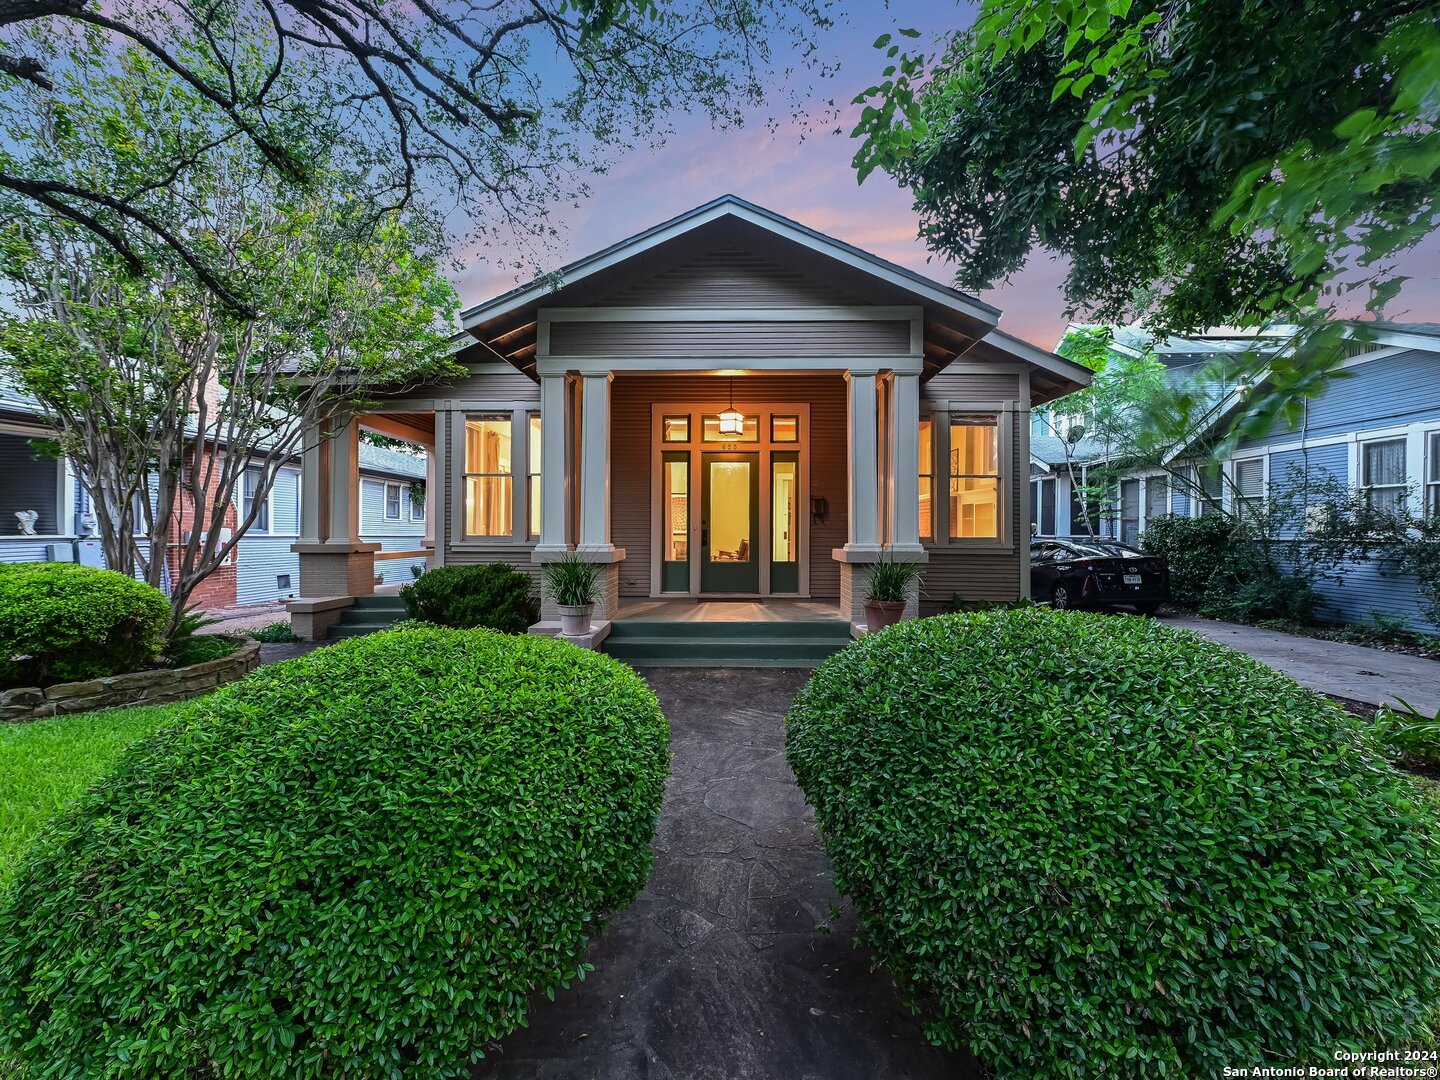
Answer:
(164, 395)
(508, 105)
(1199, 164)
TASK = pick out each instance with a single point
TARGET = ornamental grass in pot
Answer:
(571, 582)
(885, 599)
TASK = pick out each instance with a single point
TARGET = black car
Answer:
(1097, 573)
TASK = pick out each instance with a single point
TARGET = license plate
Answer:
(1134, 579)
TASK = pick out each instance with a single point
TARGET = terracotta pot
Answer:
(575, 620)
(882, 613)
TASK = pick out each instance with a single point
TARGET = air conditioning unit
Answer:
(60, 552)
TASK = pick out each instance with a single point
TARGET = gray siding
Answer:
(840, 337)
(968, 386)
(729, 277)
(1391, 390)
(491, 385)
(406, 534)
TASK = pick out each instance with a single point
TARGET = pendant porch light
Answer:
(732, 423)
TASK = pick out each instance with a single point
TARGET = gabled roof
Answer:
(742, 210)
(505, 327)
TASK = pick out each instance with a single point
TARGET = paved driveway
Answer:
(1353, 672)
(731, 964)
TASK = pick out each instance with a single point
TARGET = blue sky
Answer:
(811, 181)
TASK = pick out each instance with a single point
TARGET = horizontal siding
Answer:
(374, 524)
(839, 337)
(1319, 461)
(492, 386)
(729, 277)
(26, 549)
(262, 557)
(630, 482)
(1393, 390)
(971, 386)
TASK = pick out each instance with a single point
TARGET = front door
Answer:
(729, 523)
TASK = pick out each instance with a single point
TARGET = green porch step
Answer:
(366, 616)
(657, 643)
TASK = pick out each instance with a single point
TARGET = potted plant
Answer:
(885, 600)
(571, 581)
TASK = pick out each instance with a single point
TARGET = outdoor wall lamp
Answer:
(819, 507)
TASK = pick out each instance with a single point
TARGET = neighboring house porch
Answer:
(727, 407)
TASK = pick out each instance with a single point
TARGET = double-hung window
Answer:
(1382, 474)
(1432, 474)
(974, 477)
(1249, 481)
(532, 478)
(392, 502)
(254, 477)
(417, 502)
(927, 479)
(489, 476)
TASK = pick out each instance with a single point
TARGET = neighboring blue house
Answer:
(1375, 428)
(392, 510)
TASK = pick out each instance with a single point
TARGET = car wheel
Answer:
(1060, 598)
(1148, 608)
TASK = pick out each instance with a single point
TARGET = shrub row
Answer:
(357, 863)
(1089, 846)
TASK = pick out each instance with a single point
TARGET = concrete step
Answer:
(378, 602)
(653, 643)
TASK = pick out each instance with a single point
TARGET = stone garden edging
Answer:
(133, 688)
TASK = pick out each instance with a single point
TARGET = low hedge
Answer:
(357, 863)
(495, 596)
(1088, 846)
(60, 622)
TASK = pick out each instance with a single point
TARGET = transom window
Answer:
(974, 477)
(710, 430)
(1382, 474)
(489, 478)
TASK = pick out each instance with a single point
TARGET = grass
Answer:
(46, 763)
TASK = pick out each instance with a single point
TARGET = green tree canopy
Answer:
(1199, 164)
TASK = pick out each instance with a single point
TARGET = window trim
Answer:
(1362, 465)
(247, 499)
(534, 477)
(456, 520)
(1430, 504)
(940, 413)
(416, 506)
(399, 514)
(1235, 496)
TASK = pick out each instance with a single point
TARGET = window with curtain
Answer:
(974, 477)
(1382, 474)
(254, 476)
(489, 478)
(927, 479)
(532, 477)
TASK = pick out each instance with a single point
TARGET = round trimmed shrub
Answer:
(1089, 846)
(495, 596)
(61, 622)
(358, 863)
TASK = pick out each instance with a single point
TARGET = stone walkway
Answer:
(1352, 672)
(733, 963)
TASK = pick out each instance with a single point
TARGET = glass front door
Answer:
(729, 525)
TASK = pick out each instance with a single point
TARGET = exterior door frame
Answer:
(764, 448)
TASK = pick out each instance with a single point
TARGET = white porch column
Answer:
(343, 525)
(554, 423)
(315, 485)
(864, 469)
(905, 458)
(595, 462)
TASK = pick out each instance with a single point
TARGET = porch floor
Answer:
(729, 611)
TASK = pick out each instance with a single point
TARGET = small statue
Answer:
(27, 521)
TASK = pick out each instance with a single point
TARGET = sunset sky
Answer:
(812, 182)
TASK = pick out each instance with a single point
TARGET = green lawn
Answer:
(45, 764)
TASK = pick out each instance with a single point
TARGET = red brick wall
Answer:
(217, 589)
